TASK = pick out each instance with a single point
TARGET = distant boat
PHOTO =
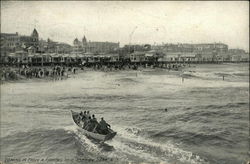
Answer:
(97, 136)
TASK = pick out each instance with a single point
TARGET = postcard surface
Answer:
(123, 82)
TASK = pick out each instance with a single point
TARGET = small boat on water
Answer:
(97, 136)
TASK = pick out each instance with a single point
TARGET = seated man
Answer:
(93, 118)
(87, 123)
(104, 126)
(92, 123)
(78, 118)
(96, 124)
(88, 114)
(84, 116)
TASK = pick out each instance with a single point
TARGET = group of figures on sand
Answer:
(91, 124)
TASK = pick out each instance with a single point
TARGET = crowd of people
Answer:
(91, 124)
(129, 66)
(58, 72)
(55, 72)
(8, 74)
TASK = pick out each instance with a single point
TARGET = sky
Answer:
(131, 22)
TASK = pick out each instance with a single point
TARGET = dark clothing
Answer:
(104, 127)
(83, 117)
(104, 124)
(94, 120)
(94, 124)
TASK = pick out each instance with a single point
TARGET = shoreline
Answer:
(79, 70)
(24, 74)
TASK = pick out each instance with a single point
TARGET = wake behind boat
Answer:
(108, 135)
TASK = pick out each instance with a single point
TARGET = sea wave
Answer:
(133, 140)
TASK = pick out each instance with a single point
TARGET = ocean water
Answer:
(206, 122)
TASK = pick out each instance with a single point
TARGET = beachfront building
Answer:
(135, 47)
(102, 47)
(81, 47)
(236, 51)
(170, 47)
(211, 47)
(235, 58)
(11, 42)
(245, 57)
(137, 57)
(206, 51)
(170, 57)
(15, 47)
(51, 46)
(234, 55)
(188, 58)
(57, 47)
(32, 40)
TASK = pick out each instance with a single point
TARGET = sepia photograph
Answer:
(124, 82)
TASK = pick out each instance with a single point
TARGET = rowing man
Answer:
(104, 126)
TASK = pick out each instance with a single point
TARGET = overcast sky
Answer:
(131, 22)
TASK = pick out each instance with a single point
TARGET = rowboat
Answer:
(93, 135)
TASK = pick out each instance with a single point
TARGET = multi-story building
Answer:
(32, 40)
(13, 41)
(199, 48)
(81, 47)
(102, 47)
(236, 51)
(9, 42)
(57, 47)
(211, 47)
(51, 46)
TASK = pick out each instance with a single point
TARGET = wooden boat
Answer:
(100, 137)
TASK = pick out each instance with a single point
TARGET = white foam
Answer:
(90, 146)
(169, 149)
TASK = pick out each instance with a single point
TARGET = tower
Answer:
(76, 41)
(34, 39)
(84, 44)
(84, 40)
(35, 34)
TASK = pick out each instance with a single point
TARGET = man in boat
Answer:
(87, 124)
(88, 114)
(81, 114)
(79, 118)
(92, 124)
(104, 126)
(84, 116)
(94, 119)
